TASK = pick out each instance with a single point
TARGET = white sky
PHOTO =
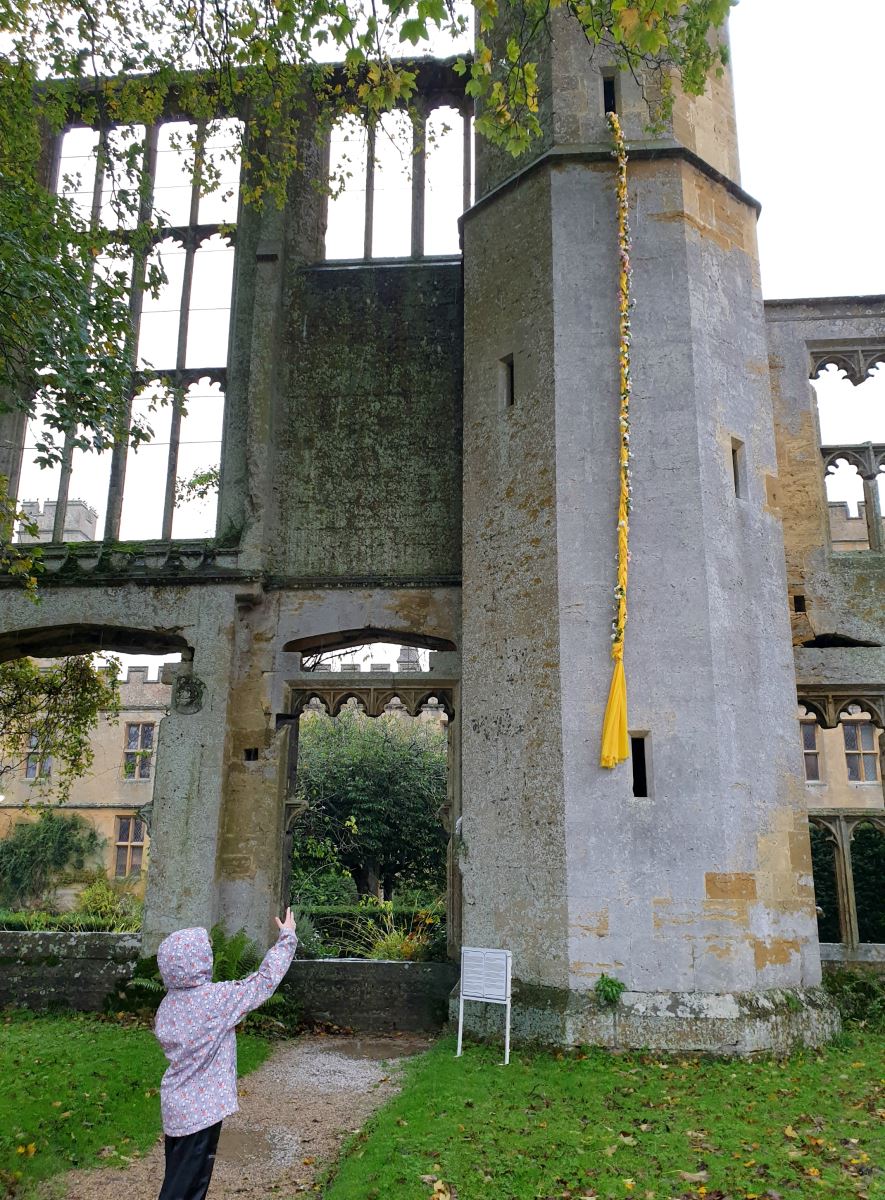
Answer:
(808, 81)
(809, 94)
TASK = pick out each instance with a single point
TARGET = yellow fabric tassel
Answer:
(615, 739)
(615, 742)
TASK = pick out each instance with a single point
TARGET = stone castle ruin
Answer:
(424, 450)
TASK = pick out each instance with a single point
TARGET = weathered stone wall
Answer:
(513, 853)
(367, 454)
(843, 592)
(72, 970)
(372, 997)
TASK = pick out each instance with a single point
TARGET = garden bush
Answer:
(859, 996)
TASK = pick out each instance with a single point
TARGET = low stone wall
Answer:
(72, 970)
(79, 970)
(869, 956)
(372, 997)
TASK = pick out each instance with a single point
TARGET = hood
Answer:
(185, 958)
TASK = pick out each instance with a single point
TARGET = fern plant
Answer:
(608, 991)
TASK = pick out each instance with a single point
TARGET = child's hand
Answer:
(288, 924)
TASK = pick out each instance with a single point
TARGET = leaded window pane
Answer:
(812, 768)
(866, 737)
(147, 737)
(854, 767)
(132, 732)
(120, 870)
(849, 732)
(869, 767)
(809, 735)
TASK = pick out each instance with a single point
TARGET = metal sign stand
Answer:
(485, 976)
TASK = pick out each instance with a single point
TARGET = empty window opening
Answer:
(392, 209)
(250, 754)
(609, 94)
(506, 381)
(738, 468)
(846, 505)
(182, 333)
(444, 169)
(397, 190)
(640, 765)
(798, 603)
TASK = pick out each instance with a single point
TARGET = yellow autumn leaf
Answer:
(790, 1132)
(628, 19)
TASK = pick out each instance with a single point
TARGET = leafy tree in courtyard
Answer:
(47, 717)
(373, 790)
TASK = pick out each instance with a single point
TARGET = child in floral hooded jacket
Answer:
(195, 1026)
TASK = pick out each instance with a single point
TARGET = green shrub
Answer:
(380, 929)
(325, 886)
(859, 996)
(36, 853)
(72, 922)
(103, 901)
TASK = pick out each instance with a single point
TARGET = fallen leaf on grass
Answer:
(790, 1132)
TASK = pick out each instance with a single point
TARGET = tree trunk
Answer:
(367, 880)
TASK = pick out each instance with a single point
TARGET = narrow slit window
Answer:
(507, 381)
(250, 754)
(738, 468)
(798, 603)
(640, 765)
(609, 94)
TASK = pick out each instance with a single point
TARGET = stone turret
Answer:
(80, 521)
(685, 874)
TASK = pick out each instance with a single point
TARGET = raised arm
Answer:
(233, 1000)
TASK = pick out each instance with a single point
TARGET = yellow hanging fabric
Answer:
(615, 740)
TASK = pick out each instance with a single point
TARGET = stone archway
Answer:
(374, 693)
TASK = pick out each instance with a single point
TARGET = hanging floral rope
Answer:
(615, 741)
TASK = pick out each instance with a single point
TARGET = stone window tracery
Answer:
(179, 337)
(399, 186)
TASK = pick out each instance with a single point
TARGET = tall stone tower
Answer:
(687, 876)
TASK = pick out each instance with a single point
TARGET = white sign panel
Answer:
(485, 976)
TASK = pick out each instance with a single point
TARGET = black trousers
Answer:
(189, 1163)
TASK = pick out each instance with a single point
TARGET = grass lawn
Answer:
(597, 1125)
(78, 1090)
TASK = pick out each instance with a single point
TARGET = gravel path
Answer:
(294, 1112)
